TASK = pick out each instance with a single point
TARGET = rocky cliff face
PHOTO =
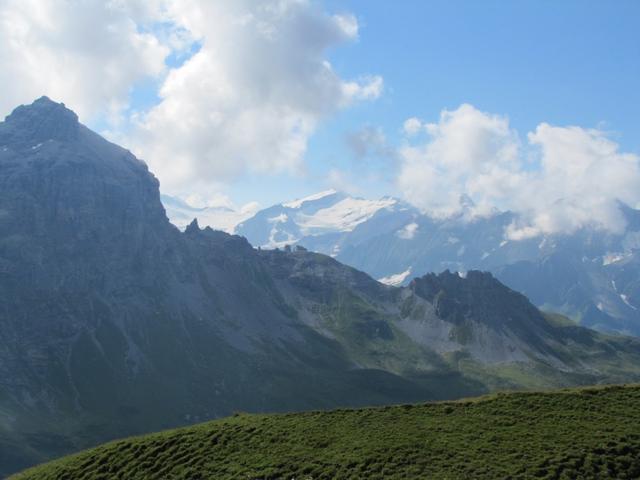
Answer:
(113, 322)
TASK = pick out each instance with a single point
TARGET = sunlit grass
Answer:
(589, 433)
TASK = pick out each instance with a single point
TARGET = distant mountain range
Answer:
(591, 276)
(114, 322)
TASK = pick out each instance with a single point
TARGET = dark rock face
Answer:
(479, 296)
(41, 121)
(113, 322)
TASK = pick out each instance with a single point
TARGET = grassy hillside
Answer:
(587, 433)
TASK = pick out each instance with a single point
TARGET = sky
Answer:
(530, 106)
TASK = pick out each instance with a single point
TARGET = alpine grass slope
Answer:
(576, 434)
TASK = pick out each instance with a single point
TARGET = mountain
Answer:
(589, 275)
(114, 322)
(325, 215)
(586, 434)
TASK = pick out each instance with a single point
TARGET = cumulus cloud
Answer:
(562, 179)
(468, 153)
(412, 126)
(88, 54)
(252, 95)
(241, 84)
(581, 181)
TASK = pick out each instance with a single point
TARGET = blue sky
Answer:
(234, 101)
(565, 63)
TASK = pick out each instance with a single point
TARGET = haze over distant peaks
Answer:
(588, 274)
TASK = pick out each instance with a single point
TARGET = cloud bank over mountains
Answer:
(240, 87)
(560, 179)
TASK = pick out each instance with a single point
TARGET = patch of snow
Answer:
(396, 279)
(613, 284)
(503, 243)
(452, 240)
(335, 250)
(279, 219)
(462, 274)
(316, 196)
(408, 231)
(625, 299)
(610, 258)
(36, 146)
(273, 243)
(600, 306)
(343, 216)
(484, 255)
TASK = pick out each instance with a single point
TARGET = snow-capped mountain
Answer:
(590, 275)
(325, 215)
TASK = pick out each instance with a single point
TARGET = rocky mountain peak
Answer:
(62, 184)
(428, 286)
(43, 120)
(476, 295)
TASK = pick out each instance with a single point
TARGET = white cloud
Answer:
(88, 54)
(342, 181)
(253, 94)
(582, 178)
(577, 176)
(209, 200)
(365, 88)
(348, 24)
(408, 231)
(468, 153)
(241, 84)
(412, 126)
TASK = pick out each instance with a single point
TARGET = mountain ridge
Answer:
(116, 323)
(584, 274)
